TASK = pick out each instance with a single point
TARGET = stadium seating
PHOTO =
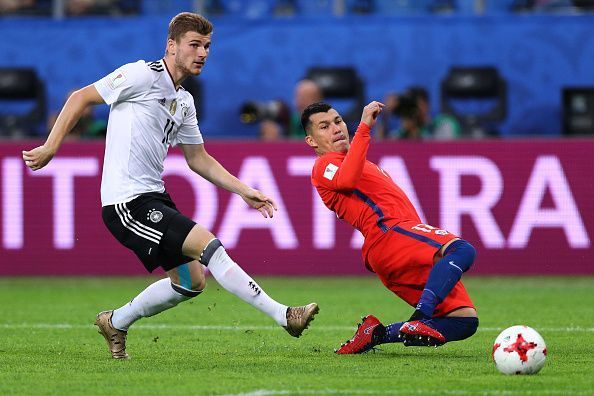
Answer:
(343, 87)
(578, 110)
(23, 102)
(477, 96)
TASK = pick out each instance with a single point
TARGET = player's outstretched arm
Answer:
(39, 157)
(209, 168)
(350, 171)
(371, 112)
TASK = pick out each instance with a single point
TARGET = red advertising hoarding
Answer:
(528, 207)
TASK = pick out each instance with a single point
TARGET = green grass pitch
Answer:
(218, 345)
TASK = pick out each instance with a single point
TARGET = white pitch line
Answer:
(68, 326)
(271, 392)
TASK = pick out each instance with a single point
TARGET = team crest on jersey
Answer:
(184, 108)
(154, 215)
(173, 107)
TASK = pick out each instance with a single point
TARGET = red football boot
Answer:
(369, 334)
(417, 333)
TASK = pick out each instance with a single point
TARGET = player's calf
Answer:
(236, 281)
(455, 328)
(457, 259)
(438, 331)
(156, 298)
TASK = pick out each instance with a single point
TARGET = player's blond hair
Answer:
(188, 22)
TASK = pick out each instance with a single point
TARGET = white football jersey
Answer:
(147, 115)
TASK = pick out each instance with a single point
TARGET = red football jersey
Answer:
(359, 191)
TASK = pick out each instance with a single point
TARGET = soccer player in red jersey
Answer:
(420, 263)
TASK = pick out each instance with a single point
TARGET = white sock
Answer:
(230, 275)
(156, 298)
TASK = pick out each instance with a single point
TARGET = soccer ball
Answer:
(519, 350)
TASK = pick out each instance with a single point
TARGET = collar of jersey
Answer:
(170, 76)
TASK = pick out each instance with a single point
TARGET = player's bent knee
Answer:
(470, 325)
(463, 253)
(457, 328)
(198, 237)
(462, 312)
(211, 247)
(199, 284)
(465, 328)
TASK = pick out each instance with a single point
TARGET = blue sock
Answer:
(392, 333)
(454, 328)
(457, 259)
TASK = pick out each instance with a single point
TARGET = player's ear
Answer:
(171, 47)
(310, 141)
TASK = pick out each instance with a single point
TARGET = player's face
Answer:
(328, 133)
(191, 52)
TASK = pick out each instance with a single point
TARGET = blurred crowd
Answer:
(409, 114)
(70, 7)
(286, 8)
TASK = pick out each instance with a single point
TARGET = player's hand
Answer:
(370, 113)
(38, 157)
(259, 201)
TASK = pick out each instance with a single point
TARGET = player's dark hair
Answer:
(188, 22)
(318, 107)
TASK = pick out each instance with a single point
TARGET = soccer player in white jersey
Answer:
(150, 111)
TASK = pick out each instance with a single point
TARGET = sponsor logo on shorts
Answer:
(154, 215)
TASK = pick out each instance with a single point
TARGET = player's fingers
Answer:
(268, 208)
(272, 203)
(31, 162)
(269, 201)
(264, 211)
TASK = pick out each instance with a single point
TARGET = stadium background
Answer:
(524, 197)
